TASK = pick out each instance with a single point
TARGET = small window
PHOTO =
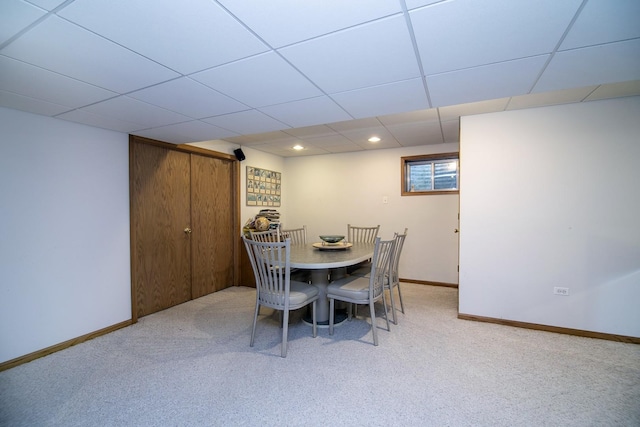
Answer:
(430, 174)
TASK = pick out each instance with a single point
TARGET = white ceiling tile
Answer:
(417, 133)
(132, 110)
(181, 133)
(451, 131)
(453, 35)
(410, 116)
(188, 97)
(454, 112)
(307, 112)
(614, 90)
(412, 4)
(391, 98)
(67, 49)
(361, 136)
(486, 82)
(347, 147)
(246, 122)
(603, 22)
(614, 62)
(259, 81)
(549, 98)
(38, 83)
(30, 105)
(328, 140)
(185, 36)
(370, 122)
(311, 131)
(283, 22)
(15, 16)
(98, 120)
(47, 4)
(357, 57)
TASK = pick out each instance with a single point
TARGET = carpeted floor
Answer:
(192, 365)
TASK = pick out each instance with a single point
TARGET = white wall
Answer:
(549, 197)
(327, 192)
(64, 231)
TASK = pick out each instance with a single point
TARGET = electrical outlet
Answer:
(561, 291)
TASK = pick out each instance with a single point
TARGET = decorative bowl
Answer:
(332, 238)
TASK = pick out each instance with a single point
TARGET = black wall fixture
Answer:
(239, 154)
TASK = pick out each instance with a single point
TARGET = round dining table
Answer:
(328, 262)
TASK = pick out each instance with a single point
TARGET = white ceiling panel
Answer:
(451, 130)
(283, 22)
(488, 31)
(30, 105)
(410, 117)
(181, 133)
(361, 136)
(615, 90)
(47, 4)
(186, 36)
(371, 54)
(307, 112)
(16, 15)
(608, 63)
(311, 131)
(100, 120)
(600, 23)
(370, 122)
(384, 99)
(417, 133)
(455, 111)
(246, 122)
(486, 82)
(412, 4)
(259, 81)
(129, 109)
(269, 74)
(67, 49)
(550, 98)
(38, 83)
(190, 98)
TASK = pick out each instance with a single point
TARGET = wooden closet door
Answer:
(212, 210)
(160, 213)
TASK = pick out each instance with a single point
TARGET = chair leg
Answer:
(386, 313)
(285, 329)
(373, 323)
(393, 304)
(400, 297)
(331, 305)
(255, 320)
(315, 324)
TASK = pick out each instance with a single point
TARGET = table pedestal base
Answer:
(339, 317)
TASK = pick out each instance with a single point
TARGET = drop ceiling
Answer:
(324, 74)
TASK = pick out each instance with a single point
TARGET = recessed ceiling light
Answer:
(298, 147)
(374, 139)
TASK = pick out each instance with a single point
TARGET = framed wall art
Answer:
(263, 187)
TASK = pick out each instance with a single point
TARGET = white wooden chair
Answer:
(274, 288)
(266, 236)
(298, 236)
(362, 290)
(357, 234)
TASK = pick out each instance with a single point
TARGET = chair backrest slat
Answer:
(397, 251)
(266, 236)
(380, 267)
(298, 236)
(362, 234)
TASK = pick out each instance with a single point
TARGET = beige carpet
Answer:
(192, 365)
